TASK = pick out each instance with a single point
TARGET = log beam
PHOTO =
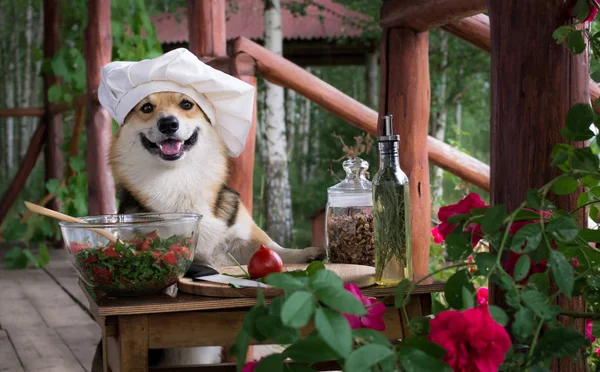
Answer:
(280, 71)
(54, 133)
(424, 15)
(98, 50)
(405, 93)
(474, 30)
(36, 144)
(529, 110)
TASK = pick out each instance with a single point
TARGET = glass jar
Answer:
(349, 217)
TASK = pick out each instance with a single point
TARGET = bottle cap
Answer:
(388, 130)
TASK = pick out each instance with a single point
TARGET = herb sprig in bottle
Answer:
(391, 213)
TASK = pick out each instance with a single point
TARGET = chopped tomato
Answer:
(76, 247)
(169, 258)
(156, 255)
(91, 259)
(152, 236)
(102, 275)
(146, 245)
(185, 253)
(110, 252)
(137, 242)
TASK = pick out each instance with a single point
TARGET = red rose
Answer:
(437, 237)
(591, 16)
(102, 275)
(482, 296)
(471, 201)
(468, 348)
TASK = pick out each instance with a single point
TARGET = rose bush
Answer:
(533, 255)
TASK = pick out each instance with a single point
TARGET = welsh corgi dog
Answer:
(167, 157)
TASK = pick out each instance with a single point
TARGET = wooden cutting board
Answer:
(362, 276)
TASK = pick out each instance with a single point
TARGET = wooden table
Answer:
(131, 326)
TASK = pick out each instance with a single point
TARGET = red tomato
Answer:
(153, 235)
(102, 275)
(185, 253)
(264, 262)
(156, 255)
(76, 247)
(137, 242)
(175, 249)
(146, 245)
(169, 258)
(110, 252)
(91, 259)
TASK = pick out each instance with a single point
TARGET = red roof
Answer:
(324, 19)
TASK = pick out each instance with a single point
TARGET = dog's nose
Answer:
(168, 125)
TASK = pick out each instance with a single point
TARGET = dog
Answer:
(167, 157)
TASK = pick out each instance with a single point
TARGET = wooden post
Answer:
(98, 50)
(54, 132)
(405, 93)
(529, 108)
(206, 22)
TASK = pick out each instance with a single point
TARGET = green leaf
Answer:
(313, 267)
(43, 256)
(522, 268)
(522, 327)
(539, 281)
(240, 349)
(596, 328)
(498, 315)
(564, 229)
(538, 303)
(250, 325)
(284, 281)
(534, 199)
(419, 326)
(402, 295)
(298, 368)
(532, 234)
(467, 298)
(421, 343)
(298, 309)
(589, 181)
(559, 343)
(77, 164)
(561, 33)
(582, 199)
(458, 218)
(458, 246)
(575, 42)
(585, 160)
(371, 336)
(325, 278)
(334, 330)
(53, 186)
(565, 186)
(485, 262)
(55, 93)
(271, 363)
(14, 230)
(340, 300)
(312, 349)
(581, 10)
(453, 289)
(362, 359)
(415, 360)
(273, 329)
(493, 219)
(562, 272)
(594, 214)
(15, 259)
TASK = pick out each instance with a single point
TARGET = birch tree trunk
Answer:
(305, 140)
(26, 97)
(440, 118)
(458, 113)
(290, 121)
(372, 67)
(279, 212)
(9, 103)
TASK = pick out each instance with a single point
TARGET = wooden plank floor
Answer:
(44, 324)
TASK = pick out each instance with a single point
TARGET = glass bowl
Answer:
(152, 252)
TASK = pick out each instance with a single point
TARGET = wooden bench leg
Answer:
(133, 343)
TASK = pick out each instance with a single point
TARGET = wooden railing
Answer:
(280, 71)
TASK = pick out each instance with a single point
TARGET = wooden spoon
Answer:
(64, 217)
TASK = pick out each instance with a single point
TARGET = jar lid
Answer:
(355, 189)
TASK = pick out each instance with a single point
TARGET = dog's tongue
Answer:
(170, 147)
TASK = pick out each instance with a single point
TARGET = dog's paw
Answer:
(314, 253)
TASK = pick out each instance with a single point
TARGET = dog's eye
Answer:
(186, 105)
(147, 108)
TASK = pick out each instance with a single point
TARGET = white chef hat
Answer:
(227, 101)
